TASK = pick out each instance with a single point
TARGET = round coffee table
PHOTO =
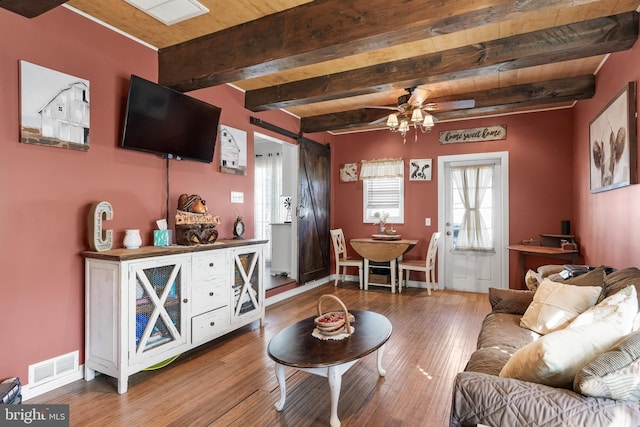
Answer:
(294, 346)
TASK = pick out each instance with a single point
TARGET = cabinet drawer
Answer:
(209, 265)
(209, 325)
(208, 296)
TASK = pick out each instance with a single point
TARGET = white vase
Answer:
(132, 239)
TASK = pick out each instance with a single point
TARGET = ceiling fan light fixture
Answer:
(416, 115)
(404, 126)
(428, 121)
(392, 122)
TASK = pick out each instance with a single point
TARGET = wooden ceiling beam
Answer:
(325, 30)
(573, 41)
(30, 8)
(492, 100)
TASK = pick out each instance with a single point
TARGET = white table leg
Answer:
(392, 264)
(283, 388)
(335, 382)
(381, 370)
(366, 274)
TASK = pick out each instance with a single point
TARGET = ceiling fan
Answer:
(413, 111)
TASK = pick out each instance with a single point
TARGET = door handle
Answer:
(448, 233)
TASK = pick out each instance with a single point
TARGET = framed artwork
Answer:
(54, 108)
(349, 172)
(233, 157)
(420, 170)
(612, 143)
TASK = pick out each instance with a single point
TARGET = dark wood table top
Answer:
(295, 346)
(541, 250)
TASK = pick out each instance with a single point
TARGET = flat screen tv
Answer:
(168, 123)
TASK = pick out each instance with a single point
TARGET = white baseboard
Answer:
(31, 392)
(296, 291)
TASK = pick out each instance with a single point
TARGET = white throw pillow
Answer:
(555, 305)
(555, 358)
(620, 308)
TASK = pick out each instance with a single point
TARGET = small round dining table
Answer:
(381, 250)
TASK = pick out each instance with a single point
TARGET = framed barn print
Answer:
(612, 143)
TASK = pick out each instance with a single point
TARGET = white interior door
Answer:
(474, 269)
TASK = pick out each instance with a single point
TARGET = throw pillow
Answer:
(556, 304)
(594, 277)
(509, 300)
(555, 358)
(531, 280)
(614, 374)
(620, 308)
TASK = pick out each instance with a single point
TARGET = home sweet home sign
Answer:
(487, 133)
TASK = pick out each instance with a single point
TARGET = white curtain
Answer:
(472, 183)
(268, 189)
(382, 168)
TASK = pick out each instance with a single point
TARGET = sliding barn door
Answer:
(314, 189)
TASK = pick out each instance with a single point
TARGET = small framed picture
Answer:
(349, 172)
(420, 170)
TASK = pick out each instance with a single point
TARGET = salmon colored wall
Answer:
(540, 176)
(607, 222)
(46, 193)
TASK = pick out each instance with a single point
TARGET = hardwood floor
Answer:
(231, 382)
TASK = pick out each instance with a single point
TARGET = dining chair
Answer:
(426, 265)
(342, 259)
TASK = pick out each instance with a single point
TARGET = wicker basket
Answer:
(333, 322)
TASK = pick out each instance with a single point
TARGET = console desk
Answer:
(542, 251)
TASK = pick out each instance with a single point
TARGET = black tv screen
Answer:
(168, 123)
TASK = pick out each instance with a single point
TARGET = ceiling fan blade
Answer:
(451, 105)
(380, 107)
(380, 121)
(418, 96)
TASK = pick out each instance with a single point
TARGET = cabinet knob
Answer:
(210, 264)
(212, 323)
(185, 300)
(210, 294)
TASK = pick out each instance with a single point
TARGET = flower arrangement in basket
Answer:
(333, 323)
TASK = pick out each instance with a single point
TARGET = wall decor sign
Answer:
(54, 108)
(420, 170)
(612, 143)
(349, 172)
(487, 133)
(233, 157)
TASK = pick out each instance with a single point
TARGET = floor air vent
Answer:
(52, 369)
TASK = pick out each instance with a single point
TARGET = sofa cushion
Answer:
(503, 330)
(621, 279)
(556, 304)
(545, 271)
(615, 374)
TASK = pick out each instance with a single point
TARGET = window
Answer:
(473, 208)
(383, 195)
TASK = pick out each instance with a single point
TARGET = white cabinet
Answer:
(147, 305)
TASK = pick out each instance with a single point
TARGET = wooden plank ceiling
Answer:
(324, 60)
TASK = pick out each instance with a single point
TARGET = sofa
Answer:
(584, 370)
